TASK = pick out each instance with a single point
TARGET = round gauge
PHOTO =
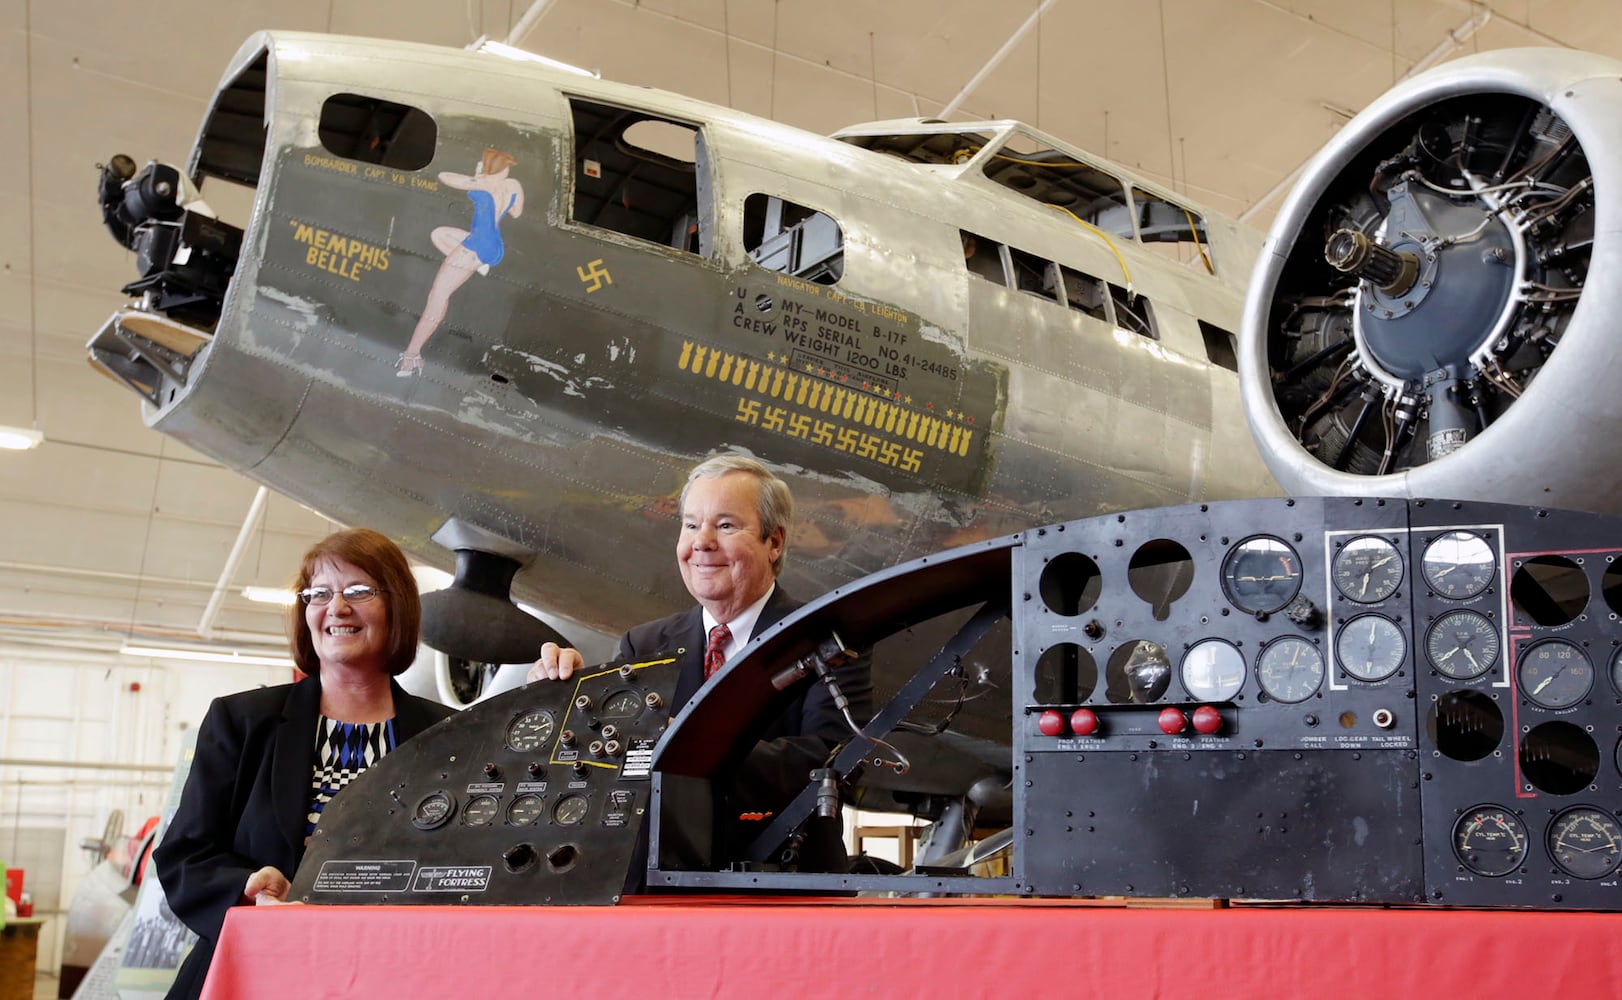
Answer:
(480, 810)
(1585, 842)
(1458, 565)
(1490, 840)
(1290, 669)
(525, 810)
(1213, 670)
(621, 705)
(432, 811)
(1261, 575)
(1462, 644)
(1370, 647)
(1616, 671)
(570, 809)
(1367, 570)
(1555, 673)
(530, 730)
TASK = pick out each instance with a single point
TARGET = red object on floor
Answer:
(839, 949)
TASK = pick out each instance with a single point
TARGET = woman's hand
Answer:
(267, 887)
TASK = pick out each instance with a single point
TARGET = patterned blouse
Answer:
(342, 751)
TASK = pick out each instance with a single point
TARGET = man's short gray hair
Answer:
(776, 506)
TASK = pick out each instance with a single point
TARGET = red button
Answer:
(1207, 720)
(1051, 723)
(1084, 722)
(1171, 721)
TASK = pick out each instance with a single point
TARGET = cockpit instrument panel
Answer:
(536, 795)
(1405, 701)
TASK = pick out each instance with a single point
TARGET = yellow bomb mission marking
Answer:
(342, 255)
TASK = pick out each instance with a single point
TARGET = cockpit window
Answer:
(944, 148)
(1175, 231)
(372, 130)
(1031, 167)
(640, 174)
(792, 239)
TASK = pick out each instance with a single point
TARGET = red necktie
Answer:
(715, 652)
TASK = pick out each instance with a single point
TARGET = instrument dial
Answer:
(621, 705)
(480, 810)
(1462, 644)
(530, 730)
(1555, 674)
(1367, 570)
(525, 810)
(1616, 671)
(1458, 565)
(433, 811)
(1370, 647)
(1290, 669)
(571, 809)
(1585, 842)
(1490, 840)
(1261, 575)
(1213, 670)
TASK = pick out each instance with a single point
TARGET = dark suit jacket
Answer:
(797, 740)
(247, 801)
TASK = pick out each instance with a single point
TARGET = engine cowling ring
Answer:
(1525, 433)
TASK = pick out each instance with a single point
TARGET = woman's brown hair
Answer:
(382, 560)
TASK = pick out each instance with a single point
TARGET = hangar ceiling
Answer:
(110, 532)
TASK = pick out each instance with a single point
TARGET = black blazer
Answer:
(797, 740)
(247, 801)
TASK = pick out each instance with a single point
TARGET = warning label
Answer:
(364, 876)
(476, 879)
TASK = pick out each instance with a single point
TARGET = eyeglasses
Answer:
(355, 593)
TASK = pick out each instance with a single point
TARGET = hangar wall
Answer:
(82, 711)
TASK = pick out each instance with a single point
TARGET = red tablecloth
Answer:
(786, 950)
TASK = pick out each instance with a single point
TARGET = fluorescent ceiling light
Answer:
(270, 595)
(20, 438)
(210, 655)
(509, 52)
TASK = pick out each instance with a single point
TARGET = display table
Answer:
(19, 944)
(799, 948)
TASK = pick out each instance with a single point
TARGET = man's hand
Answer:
(267, 887)
(557, 663)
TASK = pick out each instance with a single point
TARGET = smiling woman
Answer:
(269, 760)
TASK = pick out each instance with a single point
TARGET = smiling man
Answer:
(735, 518)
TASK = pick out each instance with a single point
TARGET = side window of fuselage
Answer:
(372, 130)
(792, 239)
(984, 257)
(1133, 313)
(1037, 276)
(640, 174)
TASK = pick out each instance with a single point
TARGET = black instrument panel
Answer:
(536, 795)
(1431, 690)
